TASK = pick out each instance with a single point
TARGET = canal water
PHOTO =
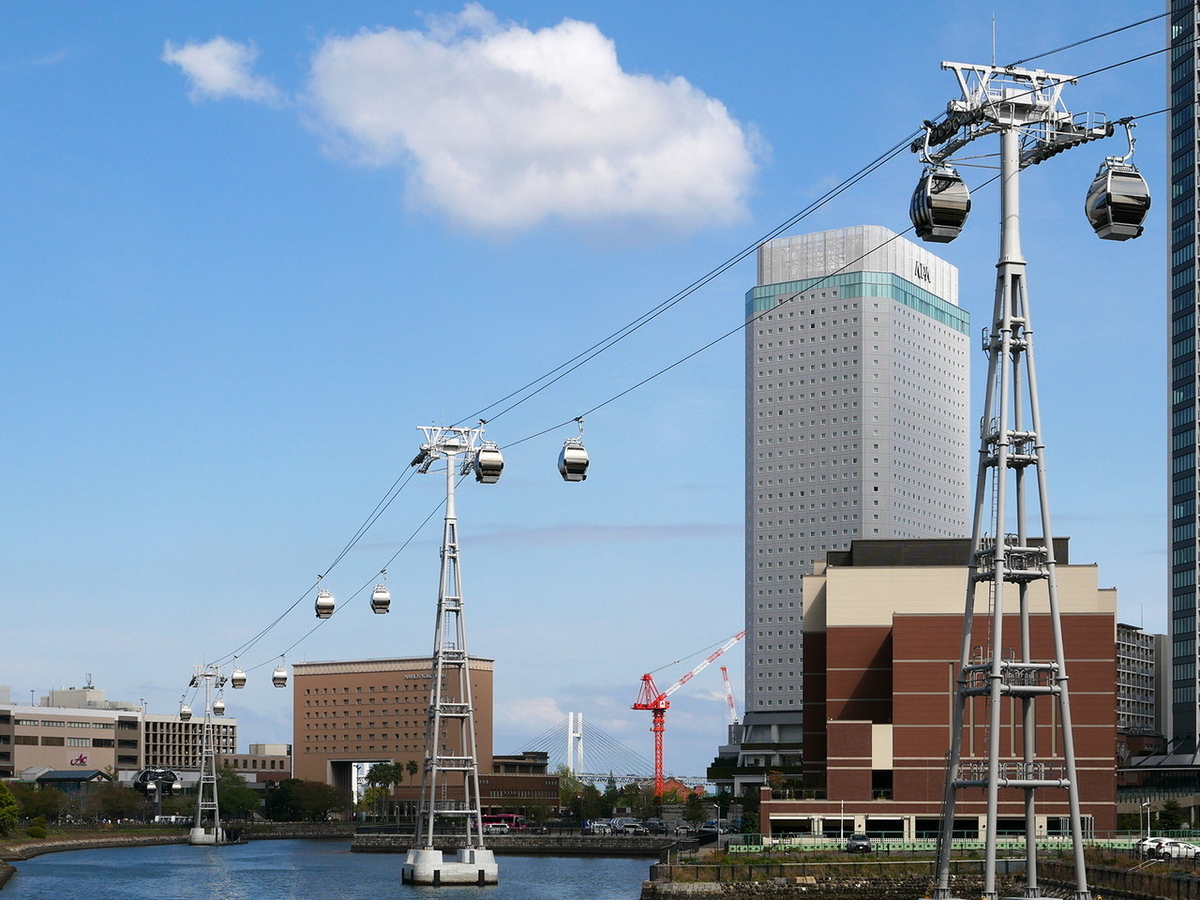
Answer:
(303, 870)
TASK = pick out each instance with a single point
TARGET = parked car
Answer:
(684, 829)
(656, 826)
(597, 827)
(1148, 846)
(634, 828)
(495, 828)
(1178, 850)
(858, 843)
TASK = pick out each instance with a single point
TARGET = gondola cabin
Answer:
(573, 461)
(381, 600)
(279, 677)
(218, 707)
(939, 205)
(238, 678)
(185, 713)
(325, 604)
(488, 464)
(1117, 202)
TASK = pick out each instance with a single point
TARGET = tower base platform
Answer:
(471, 865)
(210, 836)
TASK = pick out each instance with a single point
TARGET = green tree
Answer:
(280, 804)
(373, 799)
(113, 801)
(611, 794)
(317, 801)
(568, 787)
(750, 808)
(1170, 817)
(237, 799)
(412, 767)
(694, 812)
(49, 803)
(385, 774)
(8, 810)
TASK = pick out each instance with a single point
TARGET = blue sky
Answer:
(248, 248)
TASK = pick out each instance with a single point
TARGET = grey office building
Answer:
(857, 408)
(1184, 60)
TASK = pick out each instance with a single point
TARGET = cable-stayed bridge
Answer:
(592, 755)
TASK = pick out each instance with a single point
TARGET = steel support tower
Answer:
(450, 753)
(1012, 566)
(208, 808)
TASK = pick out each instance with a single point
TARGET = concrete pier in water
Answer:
(470, 865)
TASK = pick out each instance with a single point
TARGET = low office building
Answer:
(33, 737)
(263, 764)
(171, 743)
(77, 728)
(882, 638)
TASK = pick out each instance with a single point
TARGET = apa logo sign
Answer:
(921, 271)
(80, 760)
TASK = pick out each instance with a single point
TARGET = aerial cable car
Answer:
(381, 599)
(489, 463)
(218, 707)
(1119, 198)
(279, 676)
(573, 458)
(940, 204)
(185, 712)
(238, 678)
(325, 603)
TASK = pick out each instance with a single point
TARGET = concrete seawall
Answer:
(526, 844)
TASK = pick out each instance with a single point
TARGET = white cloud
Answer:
(503, 127)
(221, 68)
(535, 714)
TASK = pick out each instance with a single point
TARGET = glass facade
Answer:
(1181, 88)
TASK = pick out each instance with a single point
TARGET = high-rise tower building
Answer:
(1183, 147)
(857, 407)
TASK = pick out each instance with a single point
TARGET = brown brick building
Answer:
(882, 636)
(373, 710)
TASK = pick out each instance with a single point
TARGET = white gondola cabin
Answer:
(238, 678)
(573, 460)
(185, 713)
(939, 205)
(489, 463)
(1117, 201)
(325, 604)
(279, 677)
(381, 599)
(218, 707)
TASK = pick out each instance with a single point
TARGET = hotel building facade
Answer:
(857, 408)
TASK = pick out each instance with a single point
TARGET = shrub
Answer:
(36, 831)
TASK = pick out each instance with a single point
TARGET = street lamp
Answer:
(1146, 807)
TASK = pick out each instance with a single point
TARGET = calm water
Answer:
(312, 870)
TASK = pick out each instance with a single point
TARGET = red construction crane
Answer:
(733, 719)
(651, 698)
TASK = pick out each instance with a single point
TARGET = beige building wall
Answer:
(872, 595)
